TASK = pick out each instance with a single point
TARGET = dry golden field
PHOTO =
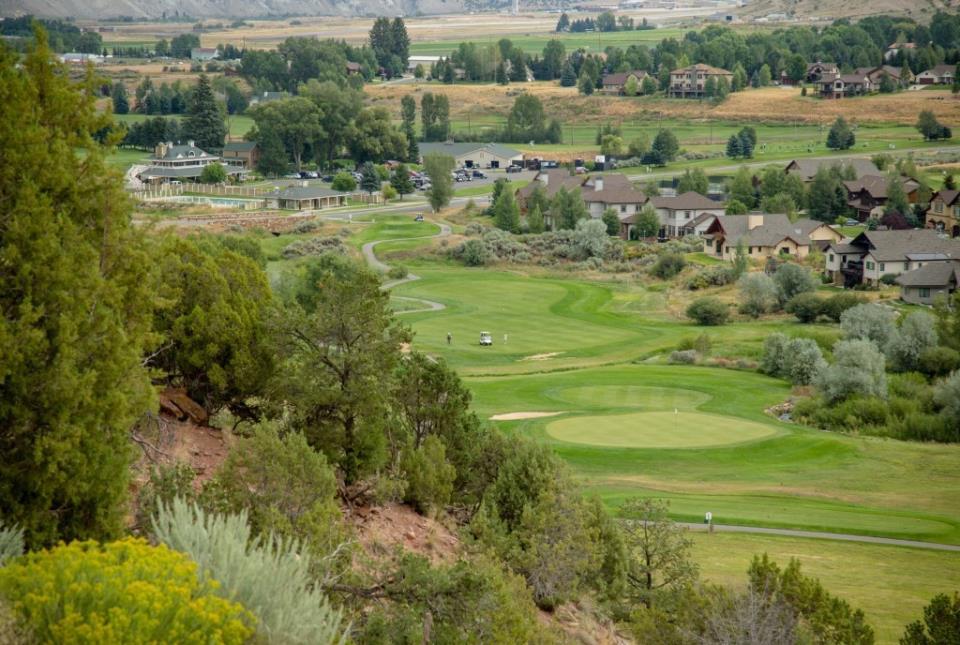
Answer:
(771, 105)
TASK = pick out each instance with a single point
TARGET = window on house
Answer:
(686, 214)
(831, 257)
(906, 266)
(924, 292)
(784, 251)
(883, 266)
(623, 208)
(870, 266)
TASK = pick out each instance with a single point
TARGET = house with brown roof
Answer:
(613, 191)
(616, 83)
(691, 82)
(815, 71)
(681, 210)
(838, 86)
(352, 68)
(304, 197)
(807, 169)
(550, 182)
(933, 280)
(874, 254)
(896, 48)
(937, 75)
(766, 235)
(181, 162)
(943, 215)
(868, 194)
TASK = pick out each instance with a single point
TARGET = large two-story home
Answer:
(242, 153)
(815, 71)
(680, 212)
(181, 162)
(616, 83)
(614, 191)
(765, 235)
(549, 182)
(873, 254)
(691, 82)
(944, 212)
(838, 86)
(868, 194)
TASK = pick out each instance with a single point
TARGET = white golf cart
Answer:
(486, 338)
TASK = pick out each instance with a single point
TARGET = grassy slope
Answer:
(534, 43)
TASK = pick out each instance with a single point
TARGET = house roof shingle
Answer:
(775, 228)
(304, 192)
(620, 78)
(617, 189)
(807, 168)
(239, 146)
(690, 200)
(876, 185)
(555, 179)
(460, 148)
(894, 246)
(933, 274)
(947, 196)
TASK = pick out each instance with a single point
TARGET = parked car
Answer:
(328, 178)
(479, 174)
(851, 222)
(514, 169)
(418, 218)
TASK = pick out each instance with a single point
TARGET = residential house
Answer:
(896, 48)
(815, 71)
(424, 61)
(203, 53)
(617, 83)
(352, 68)
(838, 86)
(944, 213)
(304, 197)
(677, 212)
(766, 235)
(873, 254)
(550, 182)
(615, 191)
(807, 169)
(181, 162)
(933, 280)
(868, 194)
(475, 155)
(899, 75)
(242, 153)
(691, 82)
(938, 75)
(699, 225)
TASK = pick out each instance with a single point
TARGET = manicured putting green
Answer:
(631, 396)
(658, 430)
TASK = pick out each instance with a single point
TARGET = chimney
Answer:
(190, 143)
(753, 221)
(160, 151)
(598, 184)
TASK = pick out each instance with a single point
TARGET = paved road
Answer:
(844, 537)
(666, 174)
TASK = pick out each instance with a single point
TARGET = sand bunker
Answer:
(541, 357)
(519, 416)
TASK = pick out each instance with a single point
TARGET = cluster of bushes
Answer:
(856, 393)
(313, 246)
(808, 307)
(587, 244)
(715, 276)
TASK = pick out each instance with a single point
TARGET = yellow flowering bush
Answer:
(121, 592)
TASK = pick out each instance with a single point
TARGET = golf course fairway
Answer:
(673, 429)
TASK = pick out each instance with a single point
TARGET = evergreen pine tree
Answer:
(401, 181)
(568, 77)
(840, 137)
(273, 156)
(746, 145)
(734, 148)
(506, 215)
(205, 123)
(501, 74)
(370, 180)
(121, 104)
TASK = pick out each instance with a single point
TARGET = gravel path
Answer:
(844, 537)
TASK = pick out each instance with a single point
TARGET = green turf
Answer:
(534, 43)
(891, 584)
(658, 430)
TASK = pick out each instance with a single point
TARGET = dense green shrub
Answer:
(121, 592)
(888, 279)
(710, 277)
(397, 272)
(798, 360)
(429, 476)
(270, 577)
(668, 265)
(835, 305)
(708, 311)
(702, 344)
(683, 357)
(941, 623)
(474, 253)
(947, 397)
(916, 334)
(806, 306)
(938, 361)
(166, 483)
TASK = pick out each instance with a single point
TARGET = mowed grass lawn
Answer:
(891, 584)
(585, 349)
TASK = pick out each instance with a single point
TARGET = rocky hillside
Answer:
(92, 9)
